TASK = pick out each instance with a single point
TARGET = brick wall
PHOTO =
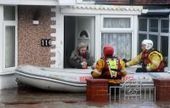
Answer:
(97, 90)
(30, 50)
(151, 2)
(162, 89)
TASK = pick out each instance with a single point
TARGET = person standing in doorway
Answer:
(80, 57)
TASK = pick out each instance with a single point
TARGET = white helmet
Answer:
(148, 44)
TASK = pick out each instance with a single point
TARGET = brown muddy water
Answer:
(36, 98)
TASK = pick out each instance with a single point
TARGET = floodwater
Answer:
(36, 98)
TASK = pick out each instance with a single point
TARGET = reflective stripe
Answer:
(112, 64)
(113, 67)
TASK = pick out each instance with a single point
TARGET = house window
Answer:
(143, 25)
(121, 43)
(164, 45)
(9, 38)
(164, 26)
(9, 46)
(154, 38)
(157, 31)
(9, 13)
(116, 23)
(153, 25)
(117, 31)
(140, 39)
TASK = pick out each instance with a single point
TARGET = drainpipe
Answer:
(169, 45)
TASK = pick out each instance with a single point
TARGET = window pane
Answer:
(9, 46)
(164, 26)
(154, 38)
(140, 39)
(9, 13)
(142, 24)
(116, 23)
(164, 45)
(153, 27)
(122, 43)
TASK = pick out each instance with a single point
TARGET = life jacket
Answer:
(145, 60)
(112, 68)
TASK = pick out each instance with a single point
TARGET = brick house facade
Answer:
(30, 50)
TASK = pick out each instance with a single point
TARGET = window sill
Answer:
(7, 73)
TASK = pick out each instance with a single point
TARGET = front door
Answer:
(78, 29)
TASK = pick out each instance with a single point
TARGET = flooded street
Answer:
(36, 98)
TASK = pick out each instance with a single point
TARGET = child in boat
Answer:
(80, 57)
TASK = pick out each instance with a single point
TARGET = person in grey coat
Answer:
(80, 57)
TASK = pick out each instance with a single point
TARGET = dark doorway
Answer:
(69, 38)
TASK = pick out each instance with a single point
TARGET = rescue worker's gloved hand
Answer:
(125, 61)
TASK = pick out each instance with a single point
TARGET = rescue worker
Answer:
(80, 57)
(109, 66)
(150, 59)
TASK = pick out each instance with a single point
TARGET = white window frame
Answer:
(85, 2)
(1, 40)
(10, 23)
(131, 30)
(116, 30)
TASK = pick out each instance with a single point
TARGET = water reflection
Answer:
(36, 98)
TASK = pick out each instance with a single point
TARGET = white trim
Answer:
(134, 36)
(52, 50)
(52, 65)
(53, 18)
(169, 46)
(52, 58)
(164, 34)
(147, 28)
(67, 2)
(97, 37)
(159, 36)
(53, 42)
(29, 2)
(159, 11)
(102, 9)
(85, 2)
(1, 37)
(7, 73)
(53, 34)
(116, 30)
(53, 26)
(59, 43)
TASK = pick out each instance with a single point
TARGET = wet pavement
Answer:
(36, 98)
